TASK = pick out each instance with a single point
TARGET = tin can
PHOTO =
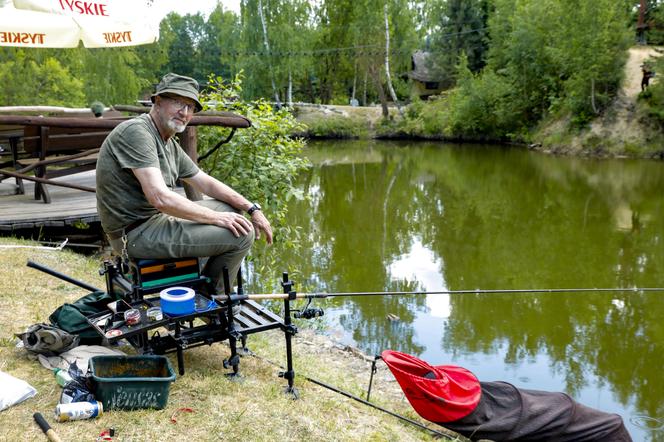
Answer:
(78, 410)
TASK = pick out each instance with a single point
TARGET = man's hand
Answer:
(261, 224)
(235, 222)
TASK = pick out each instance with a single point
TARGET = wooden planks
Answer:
(68, 206)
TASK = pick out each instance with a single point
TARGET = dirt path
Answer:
(619, 123)
(637, 55)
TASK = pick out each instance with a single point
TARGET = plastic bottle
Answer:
(62, 377)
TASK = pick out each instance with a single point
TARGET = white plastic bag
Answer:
(13, 390)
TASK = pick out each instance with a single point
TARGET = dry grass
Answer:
(252, 409)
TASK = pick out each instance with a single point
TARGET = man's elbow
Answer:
(158, 200)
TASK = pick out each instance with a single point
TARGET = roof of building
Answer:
(423, 69)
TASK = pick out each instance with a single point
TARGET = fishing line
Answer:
(60, 246)
(359, 399)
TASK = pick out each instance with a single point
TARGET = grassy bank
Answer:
(617, 133)
(252, 409)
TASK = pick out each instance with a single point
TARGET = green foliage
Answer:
(221, 33)
(69, 77)
(545, 57)
(37, 78)
(102, 70)
(654, 20)
(473, 110)
(477, 107)
(651, 101)
(509, 63)
(182, 52)
(261, 162)
(458, 28)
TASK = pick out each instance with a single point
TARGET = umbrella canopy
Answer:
(64, 23)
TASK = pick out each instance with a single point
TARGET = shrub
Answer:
(261, 162)
(335, 127)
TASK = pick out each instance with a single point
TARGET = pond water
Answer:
(432, 216)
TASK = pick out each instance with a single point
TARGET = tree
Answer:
(103, 69)
(458, 27)
(153, 58)
(219, 45)
(183, 54)
(340, 25)
(32, 77)
(253, 61)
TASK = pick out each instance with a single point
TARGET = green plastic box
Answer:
(131, 382)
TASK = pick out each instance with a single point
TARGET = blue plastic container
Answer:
(177, 301)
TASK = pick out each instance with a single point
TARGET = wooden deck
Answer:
(68, 206)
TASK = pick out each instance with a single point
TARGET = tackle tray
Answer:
(252, 318)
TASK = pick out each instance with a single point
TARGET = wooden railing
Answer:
(51, 147)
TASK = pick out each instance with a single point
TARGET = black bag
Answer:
(72, 317)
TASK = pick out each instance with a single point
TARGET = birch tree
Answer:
(266, 43)
(387, 63)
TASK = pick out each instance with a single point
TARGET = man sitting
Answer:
(139, 165)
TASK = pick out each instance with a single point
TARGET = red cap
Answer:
(441, 393)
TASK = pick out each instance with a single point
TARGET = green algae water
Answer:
(432, 216)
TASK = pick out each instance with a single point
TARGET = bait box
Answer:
(176, 301)
(131, 382)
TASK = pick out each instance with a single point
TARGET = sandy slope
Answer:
(637, 55)
(620, 122)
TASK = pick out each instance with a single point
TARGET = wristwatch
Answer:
(254, 207)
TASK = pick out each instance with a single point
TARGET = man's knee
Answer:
(241, 243)
(248, 240)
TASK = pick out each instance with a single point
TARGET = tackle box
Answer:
(148, 273)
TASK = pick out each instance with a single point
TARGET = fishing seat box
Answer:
(131, 382)
(152, 273)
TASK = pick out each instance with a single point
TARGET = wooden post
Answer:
(41, 192)
(189, 144)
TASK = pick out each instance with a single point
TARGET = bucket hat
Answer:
(174, 84)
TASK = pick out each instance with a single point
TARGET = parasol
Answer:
(65, 23)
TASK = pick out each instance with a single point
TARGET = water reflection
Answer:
(398, 217)
(421, 264)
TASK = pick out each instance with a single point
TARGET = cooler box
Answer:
(131, 382)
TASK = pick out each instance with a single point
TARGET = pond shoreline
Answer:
(332, 122)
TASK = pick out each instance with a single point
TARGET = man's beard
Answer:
(178, 128)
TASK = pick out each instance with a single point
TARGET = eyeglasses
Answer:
(181, 105)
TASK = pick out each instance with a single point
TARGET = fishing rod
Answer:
(322, 295)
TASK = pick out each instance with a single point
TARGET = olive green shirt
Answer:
(135, 144)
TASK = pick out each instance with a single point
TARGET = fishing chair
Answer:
(138, 280)
(128, 283)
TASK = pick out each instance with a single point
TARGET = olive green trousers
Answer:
(164, 236)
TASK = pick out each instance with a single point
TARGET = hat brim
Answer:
(181, 93)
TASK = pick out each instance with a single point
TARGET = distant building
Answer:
(425, 81)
